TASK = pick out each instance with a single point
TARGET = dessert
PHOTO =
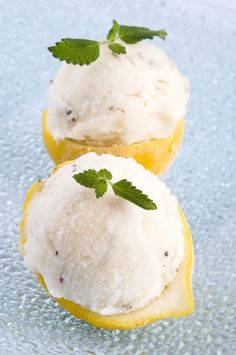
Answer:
(112, 258)
(130, 103)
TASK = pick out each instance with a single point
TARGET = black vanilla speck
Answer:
(127, 307)
(166, 253)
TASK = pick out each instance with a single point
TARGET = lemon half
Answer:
(155, 154)
(175, 301)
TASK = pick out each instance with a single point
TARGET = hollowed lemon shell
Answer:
(155, 154)
(175, 301)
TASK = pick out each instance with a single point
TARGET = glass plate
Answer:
(202, 41)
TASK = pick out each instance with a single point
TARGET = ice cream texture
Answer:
(107, 255)
(122, 99)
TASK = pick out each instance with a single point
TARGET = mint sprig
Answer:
(85, 51)
(99, 180)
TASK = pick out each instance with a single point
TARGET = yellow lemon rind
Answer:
(175, 301)
(155, 154)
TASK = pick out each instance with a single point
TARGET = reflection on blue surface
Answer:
(201, 40)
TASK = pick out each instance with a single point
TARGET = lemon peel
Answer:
(155, 155)
(175, 301)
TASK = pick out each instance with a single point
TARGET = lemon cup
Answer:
(155, 155)
(129, 105)
(175, 300)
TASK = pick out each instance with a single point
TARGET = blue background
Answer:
(202, 41)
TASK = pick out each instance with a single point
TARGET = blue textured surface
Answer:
(202, 42)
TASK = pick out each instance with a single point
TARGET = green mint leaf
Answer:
(117, 48)
(125, 189)
(85, 51)
(134, 34)
(93, 179)
(100, 187)
(113, 31)
(76, 51)
(87, 178)
(105, 174)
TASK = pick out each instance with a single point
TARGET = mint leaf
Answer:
(117, 48)
(128, 191)
(93, 179)
(113, 31)
(100, 187)
(134, 34)
(123, 188)
(85, 51)
(87, 178)
(76, 51)
(104, 173)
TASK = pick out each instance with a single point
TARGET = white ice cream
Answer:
(128, 98)
(106, 254)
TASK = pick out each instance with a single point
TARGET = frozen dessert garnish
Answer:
(85, 51)
(99, 180)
